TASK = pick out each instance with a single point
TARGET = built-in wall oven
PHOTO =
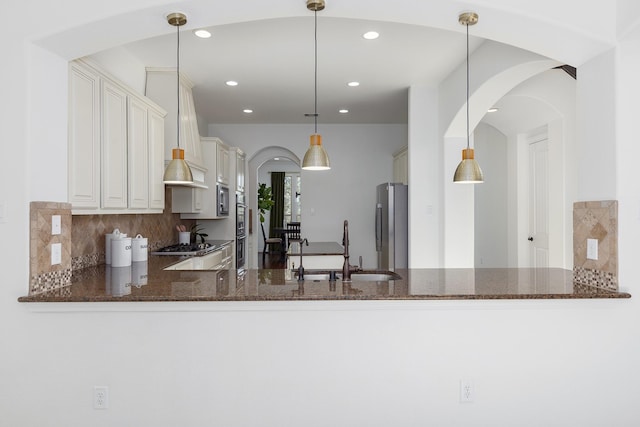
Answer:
(241, 237)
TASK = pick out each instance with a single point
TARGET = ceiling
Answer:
(268, 47)
(273, 62)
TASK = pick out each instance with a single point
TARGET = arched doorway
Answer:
(261, 157)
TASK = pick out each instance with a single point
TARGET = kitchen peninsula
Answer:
(91, 285)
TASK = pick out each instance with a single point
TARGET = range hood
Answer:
(161, 88)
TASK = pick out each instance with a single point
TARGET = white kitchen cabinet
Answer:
(145, 155)
(127, 155)
(240, 169)
(156, 158)
(200, 203)
(220, 259)
(84, 138)
(222, 164)
(138, 152)
(401, 166)
(187, 200)
(114, 146)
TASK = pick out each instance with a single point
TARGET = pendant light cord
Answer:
(178, 82)
(467, 25)
(315, 71)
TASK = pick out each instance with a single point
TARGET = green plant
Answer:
(265, 200)
(196, 232)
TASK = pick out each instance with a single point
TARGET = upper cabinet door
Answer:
(240, 170)
(114, 147)
(138, 155)
(156, 160)
(84, 138)
(222, 164)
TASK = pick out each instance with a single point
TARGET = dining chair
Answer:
(292, 233)
(270, 241)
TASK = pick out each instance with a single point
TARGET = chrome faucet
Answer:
(346, 269)
(300, 267)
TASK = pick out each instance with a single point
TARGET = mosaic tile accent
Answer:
(597, 278)
(596, 220)
(49, 281)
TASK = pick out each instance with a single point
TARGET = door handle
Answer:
(530, 239)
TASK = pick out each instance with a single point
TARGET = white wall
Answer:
(426, 234)
(534, 363)
(596, 110)
(491, 199)
(361, 157)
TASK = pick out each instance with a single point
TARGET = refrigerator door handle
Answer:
(378, 227)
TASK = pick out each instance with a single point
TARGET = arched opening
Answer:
(262, 157)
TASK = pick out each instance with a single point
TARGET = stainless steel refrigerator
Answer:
(392, 229)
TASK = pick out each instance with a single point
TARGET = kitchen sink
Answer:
(356, 276)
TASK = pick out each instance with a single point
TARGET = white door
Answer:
(539, 201)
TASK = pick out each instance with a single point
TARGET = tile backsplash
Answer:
(42, 275)
(596, 220)
(83, 242)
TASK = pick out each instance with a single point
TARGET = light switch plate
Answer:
(56, 253)
(592, 249)
(56, 225)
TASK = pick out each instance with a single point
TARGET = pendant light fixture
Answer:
(468, 171)
(177, 171)
(316, 157)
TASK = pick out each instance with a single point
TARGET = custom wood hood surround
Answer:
(161, 88)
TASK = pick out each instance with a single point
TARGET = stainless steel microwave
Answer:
(222, 200)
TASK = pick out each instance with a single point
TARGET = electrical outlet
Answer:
(56, 253)
(56, 225)
(592, 249)
(100, 397)
(466, 391)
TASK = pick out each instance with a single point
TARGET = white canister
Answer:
(107, 244)
(121, 252)
(139, 248)
(139, 273)
(120, 281)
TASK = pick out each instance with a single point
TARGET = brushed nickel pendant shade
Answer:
(468, 171)
(316, 158)
(177, 171)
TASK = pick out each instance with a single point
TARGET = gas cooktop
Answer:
(193, 249)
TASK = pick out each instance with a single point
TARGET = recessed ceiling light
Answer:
(492, 110)
(343, 111)
(353, 84)
(203, 34)
(247, 110)
(232, 83)
(276, 158)
(371, 35)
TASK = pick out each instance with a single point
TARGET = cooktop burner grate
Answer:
(193, 249)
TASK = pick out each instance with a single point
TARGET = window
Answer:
(292, 197)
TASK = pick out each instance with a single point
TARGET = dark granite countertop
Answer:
(149, 282)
